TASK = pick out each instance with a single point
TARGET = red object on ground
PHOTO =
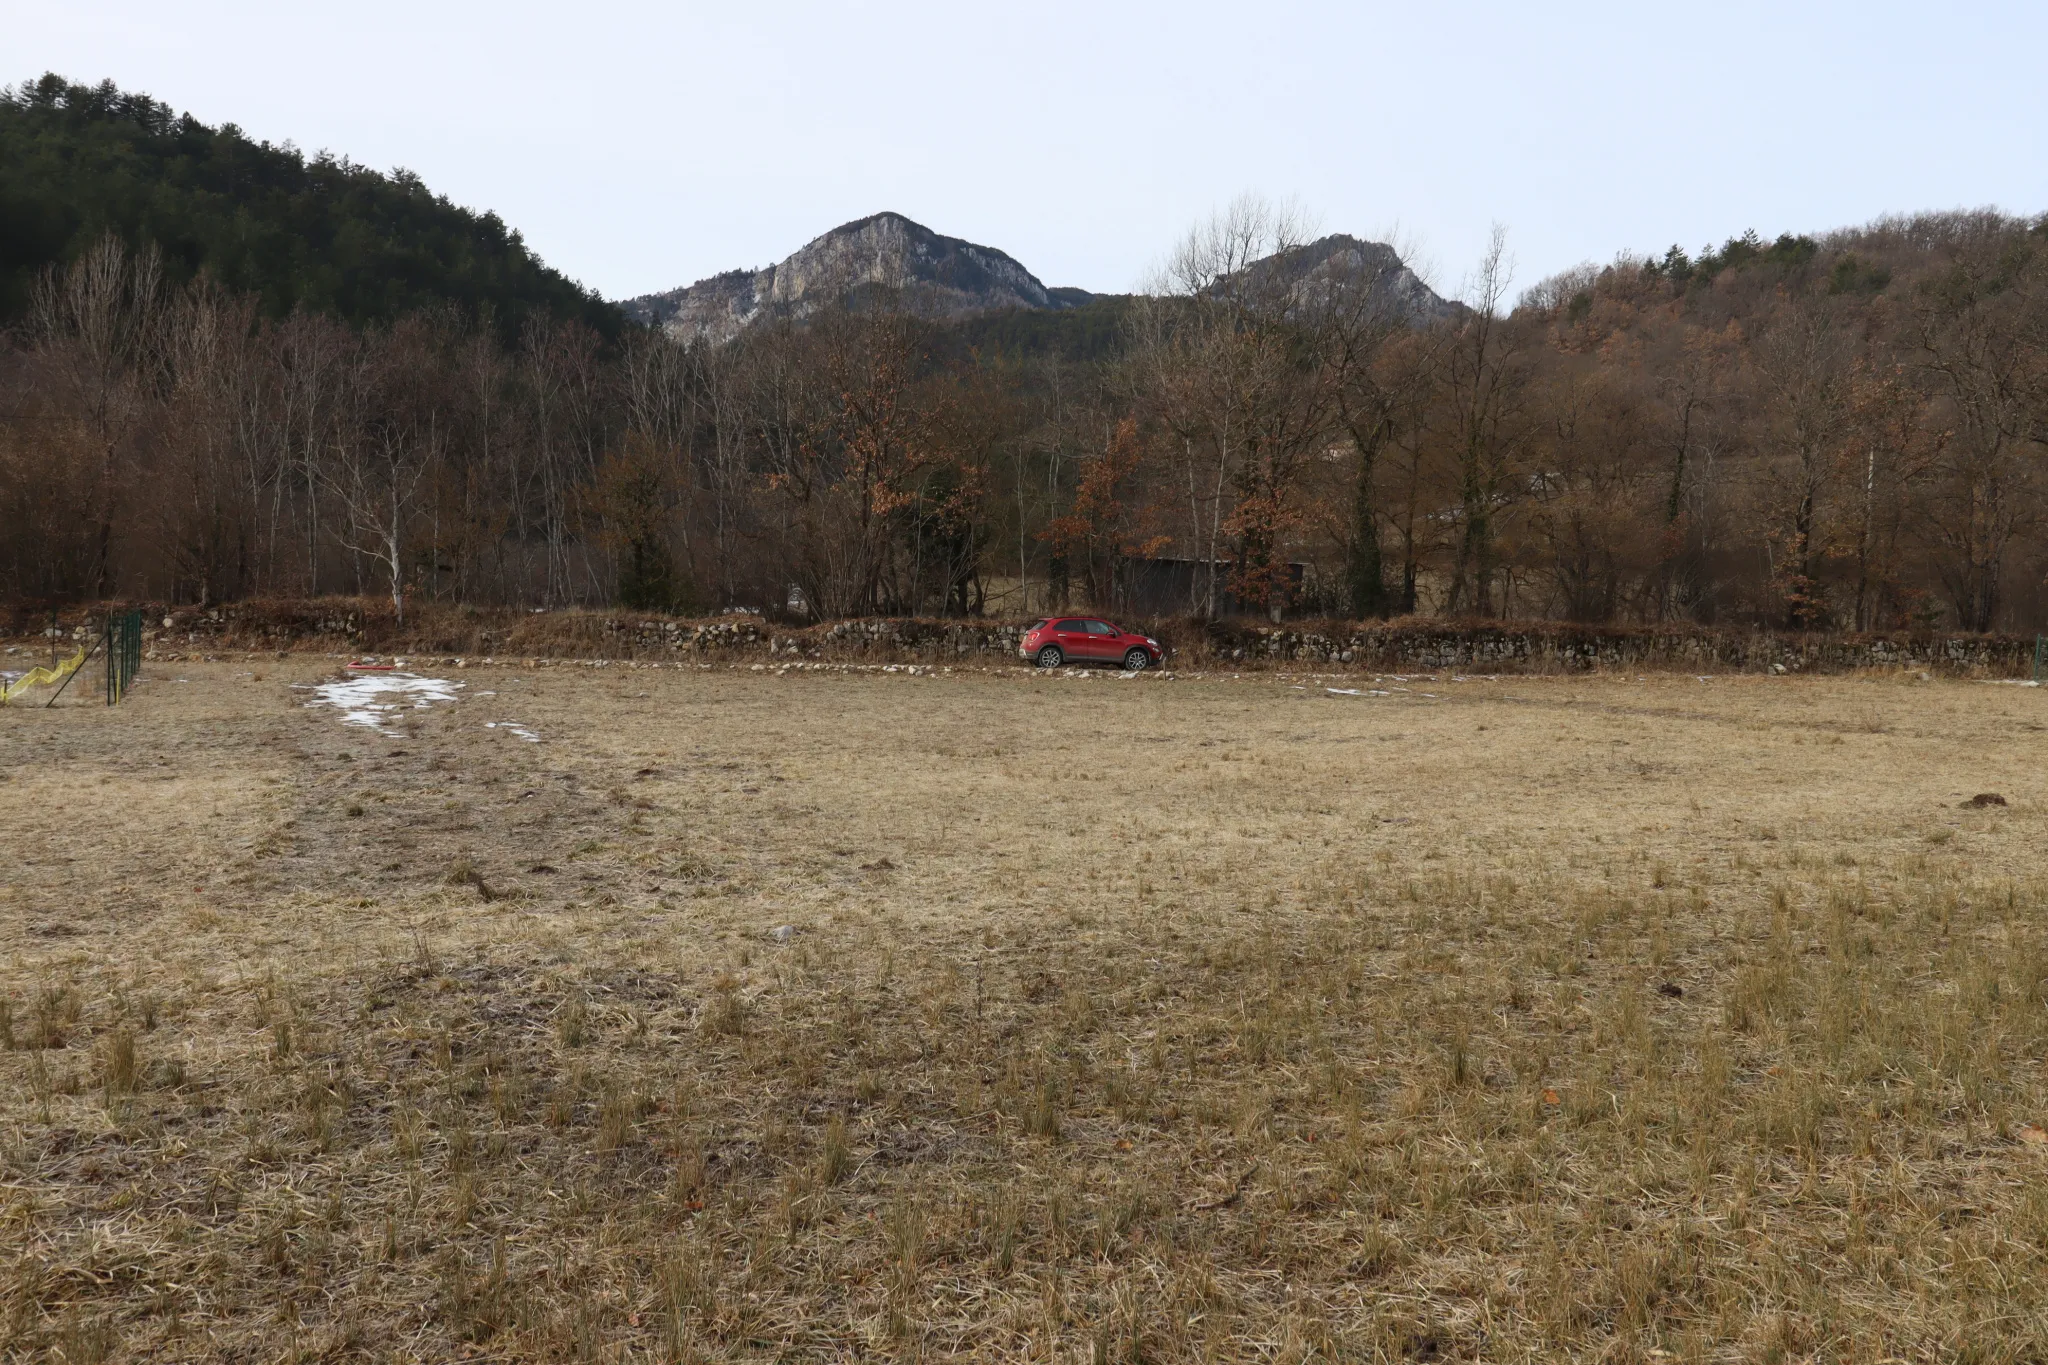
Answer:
(1061, 640)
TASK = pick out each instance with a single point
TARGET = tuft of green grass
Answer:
(835, 1157)
(464, 873)
(119, 1071)
(725, 1013)
(572, 1022)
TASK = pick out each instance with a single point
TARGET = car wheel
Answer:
(1050, 657)
(1137, 661)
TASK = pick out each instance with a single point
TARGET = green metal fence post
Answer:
(123, 638)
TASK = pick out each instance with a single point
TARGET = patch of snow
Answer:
(515, 727)
(361, 699)
(1356, 692)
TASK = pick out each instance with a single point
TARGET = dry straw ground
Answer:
(1162, 1020)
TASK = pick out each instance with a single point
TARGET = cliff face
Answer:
(934, 275)
(945, 277)
(1339, 262)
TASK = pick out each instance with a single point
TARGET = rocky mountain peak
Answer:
(945, 277)
(1341, 261)
(935, 275)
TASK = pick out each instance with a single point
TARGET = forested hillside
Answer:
(1844, 431)
(1089, 333)
(319, 233)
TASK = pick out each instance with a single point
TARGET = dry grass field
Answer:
(837, 1015)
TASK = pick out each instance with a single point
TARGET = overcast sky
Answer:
(644, 145)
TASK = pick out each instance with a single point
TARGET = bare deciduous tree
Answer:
(1839, 432)
(1485, 379)
(98, 328)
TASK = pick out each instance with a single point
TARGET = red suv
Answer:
(1085, 640)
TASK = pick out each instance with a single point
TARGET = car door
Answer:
(1103, 641)
(1072, 637)
(1118, 643)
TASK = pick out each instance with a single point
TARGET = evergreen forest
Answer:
(321, 234)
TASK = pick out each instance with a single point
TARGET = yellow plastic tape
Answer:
(42, 677)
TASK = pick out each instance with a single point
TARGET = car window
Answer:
(1071, 628)
(1101, 628)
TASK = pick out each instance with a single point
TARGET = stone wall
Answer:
(1555, 648)
(1420, 646)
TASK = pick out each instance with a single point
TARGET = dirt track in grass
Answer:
(842, 1014)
